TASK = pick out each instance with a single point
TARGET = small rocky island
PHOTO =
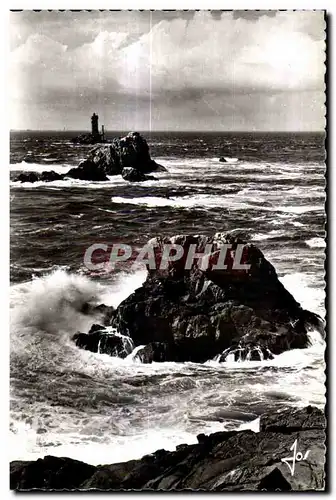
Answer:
(126, 156)
(223, 461)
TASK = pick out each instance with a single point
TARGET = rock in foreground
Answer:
(223, 461)
(202, 312)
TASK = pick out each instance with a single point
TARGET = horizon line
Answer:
(176, 131)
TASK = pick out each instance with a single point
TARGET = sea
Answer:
(66, 401)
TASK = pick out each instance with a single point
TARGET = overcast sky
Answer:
(168, 70)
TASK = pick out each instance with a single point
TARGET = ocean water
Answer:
(70, 402)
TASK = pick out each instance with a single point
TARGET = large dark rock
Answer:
(130, 152)
(87, 170)
(202, 312)
(107, 158)
(223, 461)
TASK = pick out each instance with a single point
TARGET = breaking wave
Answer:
(116, 409)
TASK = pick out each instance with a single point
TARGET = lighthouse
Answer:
(95, 135)
(94, 125)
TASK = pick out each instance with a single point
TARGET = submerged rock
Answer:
(132, 175)
(223, 461)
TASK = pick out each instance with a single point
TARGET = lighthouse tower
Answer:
(94, 125)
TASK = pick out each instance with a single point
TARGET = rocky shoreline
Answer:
(223, 461)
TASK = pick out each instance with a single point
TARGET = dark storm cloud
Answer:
(253, 15)
(167, 69)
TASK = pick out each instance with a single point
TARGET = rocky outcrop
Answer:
(130, 152)
(132, 175)
(223, 461)
(27, 177)
(206, 312)
(46, 176)
(104, 341)
(87, 170)
(50, 175)
(128, 156)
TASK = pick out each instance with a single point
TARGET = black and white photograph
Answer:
(168, 250)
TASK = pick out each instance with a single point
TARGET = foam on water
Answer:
(100, 408)
(316, 243)
(181, 171)
(24, 166)
(193, 201)
(172, 406)
(302, 287)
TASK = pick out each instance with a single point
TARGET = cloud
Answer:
(170, 59)
(253, 15)
(226, 54)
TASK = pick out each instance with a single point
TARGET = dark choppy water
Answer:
(70, 402)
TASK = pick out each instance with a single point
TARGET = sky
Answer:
(161, 70)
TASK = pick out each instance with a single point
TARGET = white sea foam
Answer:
(168, 410)
(316, 243)
(300, 209)
(68, 183)
(302, 287)
(24, 166)
(271, 234)
(194, 201)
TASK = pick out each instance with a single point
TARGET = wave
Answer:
(69, 183)
(45, 312)
(303, 287)
(39, 167)
(316, 243)
(154, 406)
(299, 209)
(271, 235)
(197, 201)
(54, 302)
